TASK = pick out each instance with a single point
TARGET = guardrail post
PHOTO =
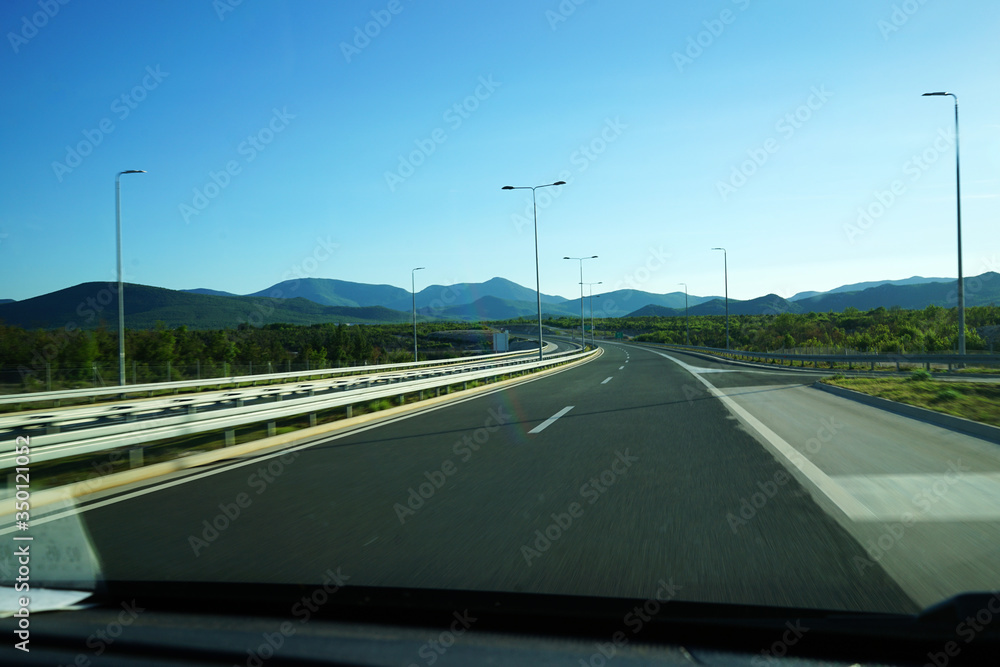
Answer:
(135, 457)
(349, 411)
(230, 437)
(271, 429)
(312, 418)
(51, 429)
(873, 365)
(897, 365)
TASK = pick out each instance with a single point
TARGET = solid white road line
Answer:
(848, 504)
(548, 422)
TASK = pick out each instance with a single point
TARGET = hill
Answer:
(858, 287)
(87, 305)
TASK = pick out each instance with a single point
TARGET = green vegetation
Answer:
(35, 360)
(972, 400)
(894, 330)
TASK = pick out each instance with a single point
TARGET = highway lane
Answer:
(643, 477)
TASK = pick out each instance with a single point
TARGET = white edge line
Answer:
(847, 503)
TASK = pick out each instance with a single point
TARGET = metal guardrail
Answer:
(863, 359)
(36, 397)
(130, 433)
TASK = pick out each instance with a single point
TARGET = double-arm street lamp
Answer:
(958, 204)
(121, 292)
(687, 329)
(725, 266)
(413, 294)
(583, 335)
(538, 287)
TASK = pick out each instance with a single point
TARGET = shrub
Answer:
(947, 395)
(920, 375)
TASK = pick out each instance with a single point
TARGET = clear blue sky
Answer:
(310, 128)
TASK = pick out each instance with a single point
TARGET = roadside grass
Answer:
(972, 400)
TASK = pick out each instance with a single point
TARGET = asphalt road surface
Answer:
(611, 478)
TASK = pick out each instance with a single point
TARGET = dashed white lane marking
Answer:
(607, 380)
(548, 422)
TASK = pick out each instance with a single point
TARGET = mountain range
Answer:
(316, 300)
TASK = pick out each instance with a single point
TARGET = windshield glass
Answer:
(211, 358)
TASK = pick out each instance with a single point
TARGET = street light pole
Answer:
(593, 338)
(538, 286)
(958, 205)
(413, 294)
(121, 291)
(583, 335)
(725, 264)
(687, 328)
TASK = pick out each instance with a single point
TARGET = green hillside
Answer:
(87, 305)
